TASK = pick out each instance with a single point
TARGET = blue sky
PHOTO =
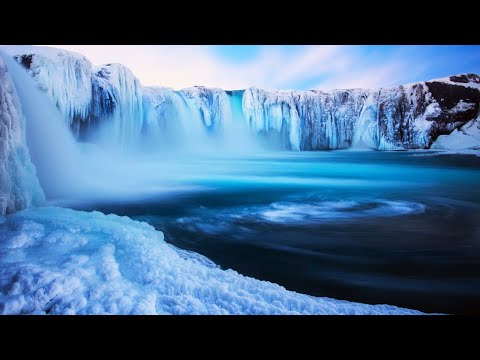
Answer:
(285, 67)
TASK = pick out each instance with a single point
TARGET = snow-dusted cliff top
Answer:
(468, 80)
(411, 116)
(49, 52)
(58, 55)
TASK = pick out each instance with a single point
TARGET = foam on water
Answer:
(285, 212)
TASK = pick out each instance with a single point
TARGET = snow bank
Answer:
(61, 261)
(19, 186)
(467, 138)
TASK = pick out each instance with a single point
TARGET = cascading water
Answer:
(51, 144)
(122, 124)
(64, 166)
(194, 120)
(19, 185)
(137, 145)
(237, 135)
(110, 103)
(128, 122)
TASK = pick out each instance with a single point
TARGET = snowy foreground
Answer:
(61, 261)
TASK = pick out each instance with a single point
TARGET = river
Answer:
(400, 228)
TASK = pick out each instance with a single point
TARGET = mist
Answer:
(52, 147)
(162, 159)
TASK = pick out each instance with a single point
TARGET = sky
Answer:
(301, 67)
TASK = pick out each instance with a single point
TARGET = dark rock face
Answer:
(465, 78)
(25, 60)
(448, 95)
(101, 108)
(459, 104)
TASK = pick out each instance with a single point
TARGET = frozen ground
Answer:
(60, 261)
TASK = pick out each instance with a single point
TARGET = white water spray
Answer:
(76, 171)
(51, 144)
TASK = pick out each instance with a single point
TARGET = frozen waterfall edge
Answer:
(404, 117)
(19, 185)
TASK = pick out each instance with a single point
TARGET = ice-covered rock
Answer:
(467, 138)
(64, 75)
(110, 98)
(117, 103)
(19, 186)
(212, 105)
(165, 112)
(88, 96)
(61, 261)
(403, 117)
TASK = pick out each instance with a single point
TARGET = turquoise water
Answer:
(399, 228)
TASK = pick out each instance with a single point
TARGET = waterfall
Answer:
(50, 142)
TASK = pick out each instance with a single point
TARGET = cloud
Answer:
(309, 62)
(283, 67)
(183, 66)
(373, 67)
(363, 77)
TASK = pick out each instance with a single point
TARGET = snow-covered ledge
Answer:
(464, 140)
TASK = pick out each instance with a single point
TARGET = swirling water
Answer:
(400, 228)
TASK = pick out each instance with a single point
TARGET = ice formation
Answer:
(61, 261)
(187, 117)
(403, 117)
(467, 138)
(117, 100)
(64, 75)
(167, 117)
(111, 98)
(19, 186)
(212, 105)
